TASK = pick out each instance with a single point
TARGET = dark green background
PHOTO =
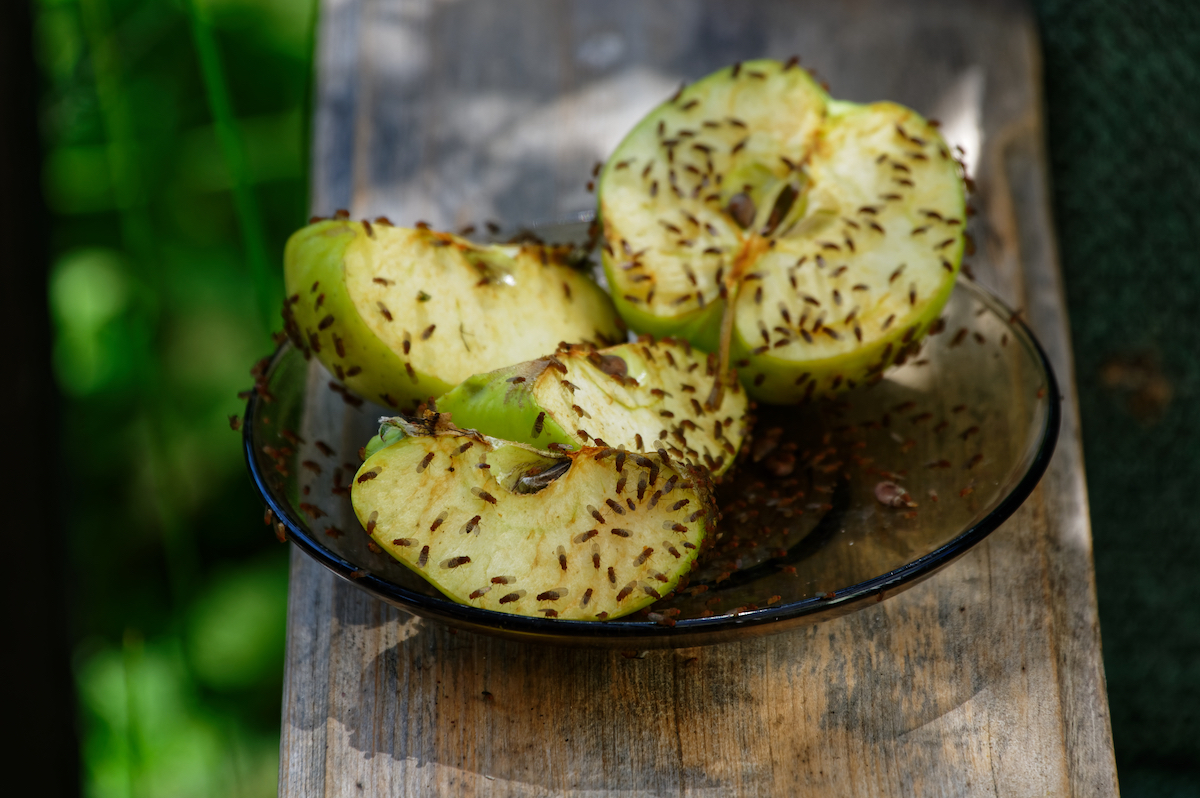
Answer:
(1122, 92)
(156, 292)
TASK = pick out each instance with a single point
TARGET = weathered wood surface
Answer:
(984, 680)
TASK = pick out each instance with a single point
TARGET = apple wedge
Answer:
(401, 315)
(590, 535)
(642, 396)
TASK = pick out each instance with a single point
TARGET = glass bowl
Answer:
(957, 437)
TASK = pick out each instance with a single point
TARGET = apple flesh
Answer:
(645, 397)
(810, 242)
(401, 315)
(587, 535)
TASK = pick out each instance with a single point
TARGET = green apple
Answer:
(591, 534)
(401, 315)
(811, 242)
(641, 396)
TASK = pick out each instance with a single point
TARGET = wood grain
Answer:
(984, 680)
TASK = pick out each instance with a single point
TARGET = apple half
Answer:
(810, 242)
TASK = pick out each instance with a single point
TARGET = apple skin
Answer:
(314, 266)
(497, 407)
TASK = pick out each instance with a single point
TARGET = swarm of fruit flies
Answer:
(777, 251)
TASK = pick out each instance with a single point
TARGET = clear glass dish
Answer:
(965, 428)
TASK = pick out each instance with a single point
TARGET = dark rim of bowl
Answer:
(582, 631)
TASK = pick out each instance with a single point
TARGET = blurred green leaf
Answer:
(57, 40)
(147, 734)
(272, 146)
(281, 23)
(236, 627)
(175, 174)
(208, 350)
(77, 179)
(89, 289)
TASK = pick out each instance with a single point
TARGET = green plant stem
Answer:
(131, 660)
(245, 204)
(306, 108)
(137, 232)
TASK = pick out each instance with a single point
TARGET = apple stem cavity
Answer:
(752, 248)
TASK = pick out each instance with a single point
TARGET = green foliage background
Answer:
(174, 133)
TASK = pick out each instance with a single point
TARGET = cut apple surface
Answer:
(642, 396)
(809, 241)
(592, 535)
(401, 315)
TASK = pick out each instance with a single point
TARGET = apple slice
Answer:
(401, 315)
(810, 242)
(592, 534)
(642, 396)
